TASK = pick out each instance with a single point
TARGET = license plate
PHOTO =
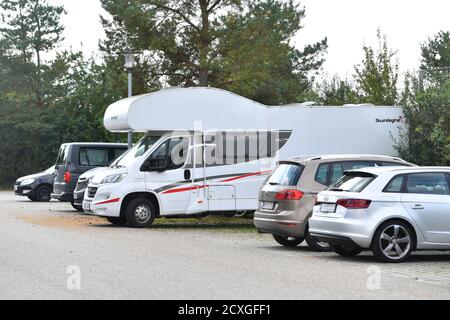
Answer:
(328, 207)
(267, 205)
(16, 188)
(87, 206)
(75, 196)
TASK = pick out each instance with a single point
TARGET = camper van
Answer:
(208, 151)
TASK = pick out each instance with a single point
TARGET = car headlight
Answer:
(27, 182)
(114, 178)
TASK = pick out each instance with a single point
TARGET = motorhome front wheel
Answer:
(140, 213)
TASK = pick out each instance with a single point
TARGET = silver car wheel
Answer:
(142, 213)
(395, 242)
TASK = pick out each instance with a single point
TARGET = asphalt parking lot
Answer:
(48, 251)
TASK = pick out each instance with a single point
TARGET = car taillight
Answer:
(354, 203)
(290, 194)
(67, 176)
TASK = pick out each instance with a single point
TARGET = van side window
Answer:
(322, 174)
(93, 157)
(427, 183)
(395, 185)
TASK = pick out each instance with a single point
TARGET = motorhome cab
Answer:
(207, 150)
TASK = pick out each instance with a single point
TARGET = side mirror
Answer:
(159, 164)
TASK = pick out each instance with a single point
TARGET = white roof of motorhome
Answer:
(202, 109)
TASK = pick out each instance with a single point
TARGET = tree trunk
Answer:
(38, 57)
(39, 82)
(204, 46)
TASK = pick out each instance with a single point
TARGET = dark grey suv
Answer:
(76, 158)
(37, 187)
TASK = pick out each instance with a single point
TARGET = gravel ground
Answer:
(48, 251)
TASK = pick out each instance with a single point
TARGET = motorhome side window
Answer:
(93, 157)
(175, 150)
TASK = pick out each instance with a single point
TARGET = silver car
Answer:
(392, 211)
(287, 197)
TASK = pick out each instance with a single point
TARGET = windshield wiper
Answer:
(274, 183)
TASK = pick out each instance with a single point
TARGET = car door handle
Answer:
(418, 207)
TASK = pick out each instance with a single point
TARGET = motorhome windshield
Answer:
(138, 150)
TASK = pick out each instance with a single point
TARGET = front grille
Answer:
(81, 184)
(92, 192)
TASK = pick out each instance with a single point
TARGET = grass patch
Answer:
(214, 223)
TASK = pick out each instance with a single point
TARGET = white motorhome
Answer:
(207, 150)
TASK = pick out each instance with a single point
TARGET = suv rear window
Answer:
(62, 155)
(286, 174)
(353, 182)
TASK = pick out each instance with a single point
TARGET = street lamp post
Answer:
(129, 65)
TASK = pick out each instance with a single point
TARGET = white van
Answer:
(207, 150)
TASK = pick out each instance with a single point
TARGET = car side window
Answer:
(392, 164)
(395, 185)
(336, 172)
(93, 157)
(175, 150)
(322, 174)
(352, 165)
(427, 183)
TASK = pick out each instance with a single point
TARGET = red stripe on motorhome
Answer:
(226, 180)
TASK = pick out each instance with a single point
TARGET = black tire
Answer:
(77, 207)
(118, 221)
(290, 242)
(140, 213)
(32, 198)
(315, 245)
(43, 193)
(346, 251)
(380, 243)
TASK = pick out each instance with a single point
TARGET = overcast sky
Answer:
(347, 24)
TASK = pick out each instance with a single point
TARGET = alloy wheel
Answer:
(395, 242)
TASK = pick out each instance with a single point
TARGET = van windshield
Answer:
(138, 150)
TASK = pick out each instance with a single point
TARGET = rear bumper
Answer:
(65, 196)
(335, 240)
(358, 229)
(286, 224)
